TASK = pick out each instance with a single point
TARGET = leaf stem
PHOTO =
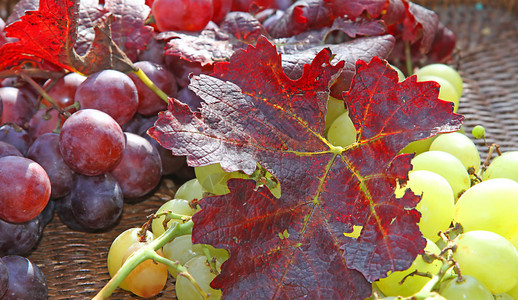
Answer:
(150, 84)
(408, 59)
(145, 253)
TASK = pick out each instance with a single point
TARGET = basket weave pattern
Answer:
(75, 263)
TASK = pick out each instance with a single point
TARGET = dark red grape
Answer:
(140, 168)
(24, 189)
(48, 213)
(193, 15)
(249, 5)
(95, 203)
(26, 280)
(91, 142)
(45, 151)
(43, 121)
(110, 91)
(170, 162)
(8, 150)
(220, 9)
(16, 136)
(150, 103)
(154, 52)
(182, 69)
(4, 279)
(63, 90)
(17, 108)
(190, 98)
(20, 238)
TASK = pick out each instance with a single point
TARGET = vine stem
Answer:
(150, 84)
(145, 253)
(408, 58)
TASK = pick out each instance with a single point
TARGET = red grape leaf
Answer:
(295, 246)
(46, 37)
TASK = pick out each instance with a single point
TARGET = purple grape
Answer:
(45, 151)
(140, 168)
(19, 238)
(190, 98)
(16, 136)
(17, 107)
(48, 213)
(7, 149)
(4, 279)
(95, 203)
(26, 280)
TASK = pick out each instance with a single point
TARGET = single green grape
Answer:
(469, 288)
(214, 179)
(445, 72)
(400, 74)
(503, 296)
(489, 257)
(335, 108)
(446, 91)
(446, 165)
(199, 268)
(513, 292)
(478, 132)
(119, 246)
(190, 190)
(419, 146)
(437, 202)
(503, 166)
(491, 205)
(390, 286)
(342, 132)
(460, 146)
(177, 206)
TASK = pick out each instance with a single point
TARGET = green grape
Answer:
(478, 132)
(446, 91)
(503, 296)
(342, 132)
(119, 246)
(181, 249)
(390, 286)
(489, 257)
(503, 166)
(190, 190)
(460, 146)
(148, 278)
(513, 292)
(400, 75)
(199, 268)
(469, 288)
(436, 205)
(419, 146)
(491, 205)
(214, 179)
(177, 206)
(446, 165)
(335, 108)
(445, 72)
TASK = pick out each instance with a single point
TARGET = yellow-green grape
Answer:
(335, 107)
(446, 165)
(342, 132)
(419, 146)
(446, 91)
(436, 205)
(491, 205)
(190, 190)
(513, 292)
(400, 74)
(469, 288)
(478, 132)
(199, 268)
(503, 166)
(445, 72)
(503, 296)
(214, 179)
(489, 257)
(177, 206)
(390, 286)
(148, 278)
(460, 146)
(119, 246)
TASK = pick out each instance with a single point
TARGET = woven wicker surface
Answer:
(75, 263)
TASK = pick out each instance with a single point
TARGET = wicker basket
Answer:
(75, 263)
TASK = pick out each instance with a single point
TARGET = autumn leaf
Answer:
(295, 246)
(46, 37)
